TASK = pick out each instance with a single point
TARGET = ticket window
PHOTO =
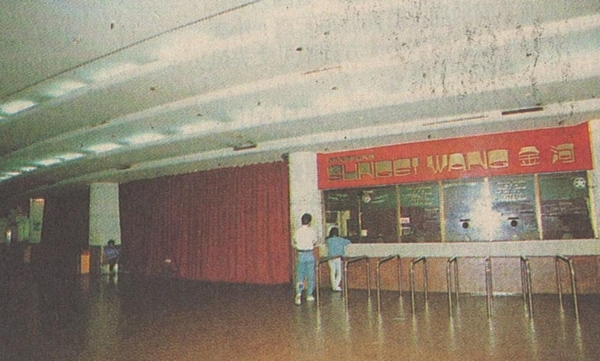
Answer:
(514, 202)
(364, 215)
(565, 206)
(342, 211)
(420, 212)
(379, 215)
(467, 211)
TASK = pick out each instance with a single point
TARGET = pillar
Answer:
(594, 127)
(305, 196)
(104, 220)
(36, 216)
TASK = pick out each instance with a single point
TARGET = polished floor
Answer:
(131, 318)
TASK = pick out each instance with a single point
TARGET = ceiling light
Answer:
(144, 138)
(70, 156)
(198, 127)
(5, 176)
(49, 161)
(16, 106)
(63, 87)
(103, 147)
(8, 175)
(112, 71)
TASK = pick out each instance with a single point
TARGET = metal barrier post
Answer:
(452, 280)
(412, 279)
(348, 261)
(569, 263)
(318, 272)
(378, 271)
(526, 287)
(488, 285)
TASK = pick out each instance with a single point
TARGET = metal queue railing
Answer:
(488, 285)
(526, 287)
(321, 261)
(452, 281)
(378, 273)
(488, 250)
(352, 260)
(569, 263)
(415, 261)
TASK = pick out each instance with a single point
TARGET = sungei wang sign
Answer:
(533, 151)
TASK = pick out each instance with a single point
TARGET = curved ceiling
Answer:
(116, 91)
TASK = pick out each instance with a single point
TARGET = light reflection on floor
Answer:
(132, 318)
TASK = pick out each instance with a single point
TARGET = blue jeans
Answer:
(305, 270)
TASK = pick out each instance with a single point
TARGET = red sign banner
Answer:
(523, 152)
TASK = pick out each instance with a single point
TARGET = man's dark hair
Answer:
(306, 218)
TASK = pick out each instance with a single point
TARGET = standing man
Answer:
(336, 246)
(304, 244)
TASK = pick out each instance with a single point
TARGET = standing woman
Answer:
(304, 243)
(336, 247)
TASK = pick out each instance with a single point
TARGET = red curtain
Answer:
(226, 225)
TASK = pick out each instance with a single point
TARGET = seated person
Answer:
(111, 256)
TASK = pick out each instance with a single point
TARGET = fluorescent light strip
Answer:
(48, 162)
(103, 147)
(70, 156)
(8, 175)
(63, 87)
(198, 127)
(16, 106)
(112, 71)
(144, 138)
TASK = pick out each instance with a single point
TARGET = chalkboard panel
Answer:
(371, 213)
(378, 198)
(467, 210)
(513, 200)
(565, 206)
(420, 212)
(341, 199)
(379, 214)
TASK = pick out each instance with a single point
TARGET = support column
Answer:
(594, 127)
(305, 196)
(36, 216)
(104, 220)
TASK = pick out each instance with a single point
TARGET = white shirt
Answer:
(306, 238)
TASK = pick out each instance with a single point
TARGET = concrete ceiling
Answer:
(235, 82)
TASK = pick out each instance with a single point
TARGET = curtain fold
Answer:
(225, 225)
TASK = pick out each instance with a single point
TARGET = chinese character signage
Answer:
(523, 152)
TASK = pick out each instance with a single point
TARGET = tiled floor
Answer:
(128, 318)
